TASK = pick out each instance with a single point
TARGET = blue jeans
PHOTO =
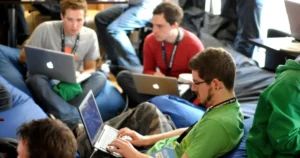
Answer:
(248, 14)
(113, 24)
(52, 103)
(238, 22)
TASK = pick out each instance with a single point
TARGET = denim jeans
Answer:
(113, 24)
(238, 22)
(52, 103)
(248, 14)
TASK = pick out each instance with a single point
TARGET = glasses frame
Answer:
(195, 84)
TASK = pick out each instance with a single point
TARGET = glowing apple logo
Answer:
(50, 65)
(155, 86)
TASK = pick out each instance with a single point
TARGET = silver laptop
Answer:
(155, 85)
(99, 134)
(293, 12)
(53, 64)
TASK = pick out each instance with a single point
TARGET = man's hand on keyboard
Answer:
(136, 138)
(123, 147)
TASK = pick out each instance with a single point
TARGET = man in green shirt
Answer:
(276, 124)
(219, 130)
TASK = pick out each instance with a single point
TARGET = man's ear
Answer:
(175, 25)
(216, 84)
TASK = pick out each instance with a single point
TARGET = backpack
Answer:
(8, 148)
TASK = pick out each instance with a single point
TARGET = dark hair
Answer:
(214, 63)
(48, 138)
(73, 4)
(172, 12)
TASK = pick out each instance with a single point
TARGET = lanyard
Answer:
(62, 33)
(229, 101)
(173, 53)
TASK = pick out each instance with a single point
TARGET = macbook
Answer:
(155, 85)
(99, 134)
(53, 64)
(293, 12)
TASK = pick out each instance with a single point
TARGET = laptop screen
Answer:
(293, 11)
(91, 117)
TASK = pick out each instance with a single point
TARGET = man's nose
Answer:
(74, 25)
(155, 30)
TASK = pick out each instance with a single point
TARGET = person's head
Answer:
(46, 138)
(167, 16)
(213, 73)
(73, 15)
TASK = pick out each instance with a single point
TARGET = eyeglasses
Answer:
(197, 83)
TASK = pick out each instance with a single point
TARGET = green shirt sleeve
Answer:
(284, 122)
(208, 140)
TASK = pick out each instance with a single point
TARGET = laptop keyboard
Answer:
(82, 76)
(107, 137)
(77, 74)
(183, 88)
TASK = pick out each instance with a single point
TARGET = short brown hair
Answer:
(214, 63)
(172, 12)
(48, 138)
(73, 4)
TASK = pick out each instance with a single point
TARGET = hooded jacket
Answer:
(276, 127)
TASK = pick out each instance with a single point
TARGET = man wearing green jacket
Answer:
(275, 131)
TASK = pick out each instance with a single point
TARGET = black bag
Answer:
(189, 95)
(8, 148)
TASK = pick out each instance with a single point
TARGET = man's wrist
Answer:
(148, 140)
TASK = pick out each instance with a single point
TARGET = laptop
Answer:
(158, 85)
(99, 134)
(293, 12)
(53, 64)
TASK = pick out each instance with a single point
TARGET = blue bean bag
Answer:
(182, 112)
(23, 110)
(109, 100)
(11, 69)
(240, 151)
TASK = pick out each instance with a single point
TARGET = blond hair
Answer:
(73, 4)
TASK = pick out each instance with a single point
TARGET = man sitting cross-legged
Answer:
(69, 36)
(169, 48)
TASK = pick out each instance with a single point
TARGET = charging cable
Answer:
(95, 150)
